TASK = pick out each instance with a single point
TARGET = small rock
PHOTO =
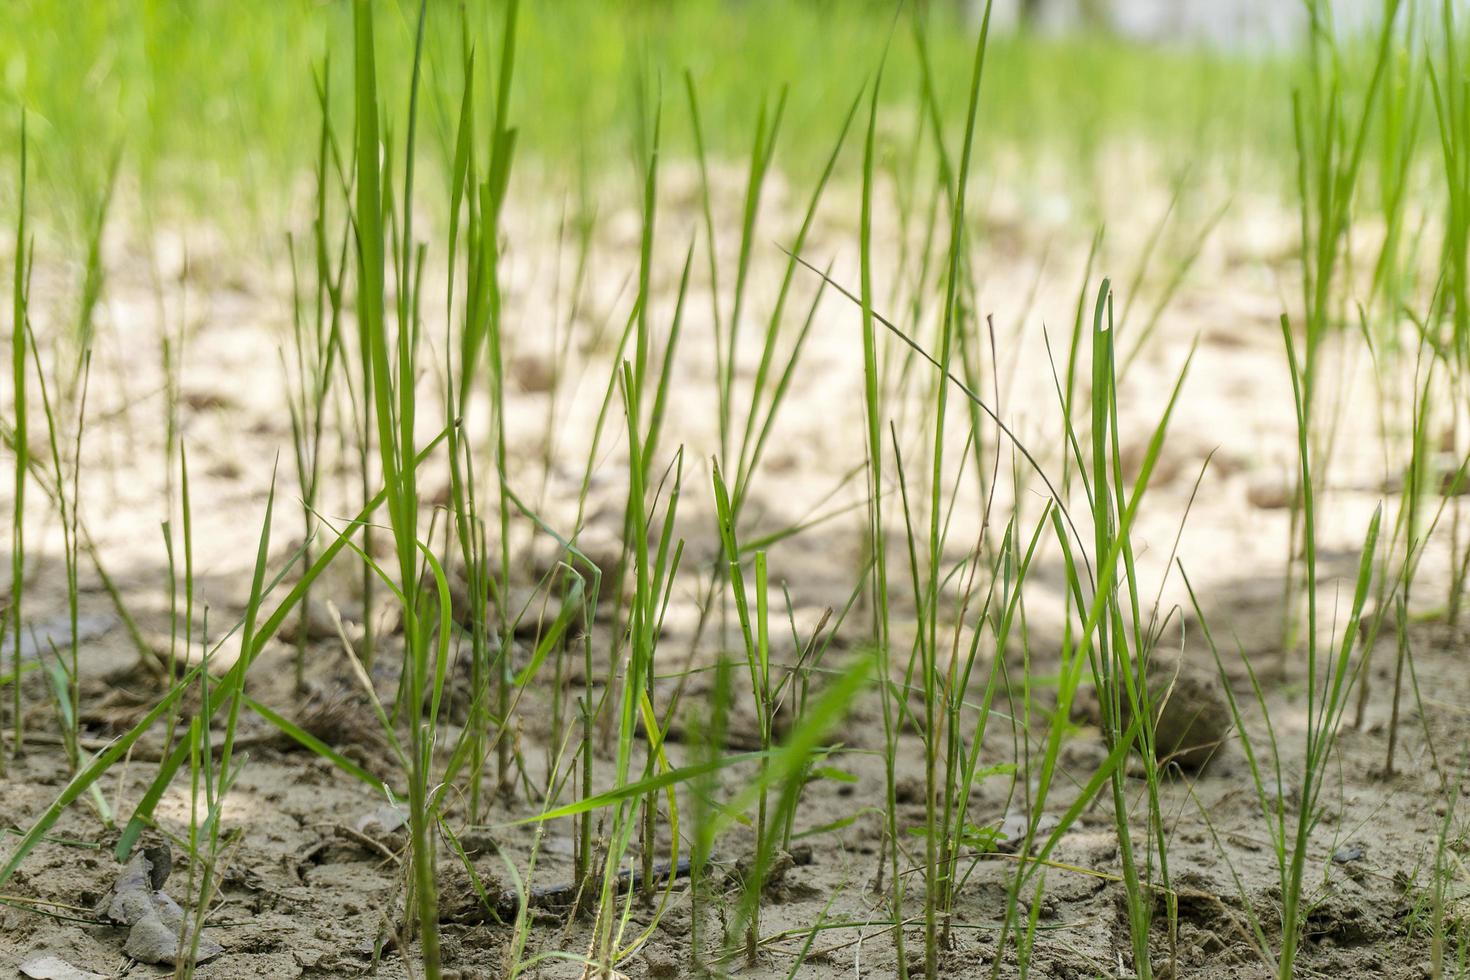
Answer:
(660, 962)
(1285, 799)
(534, 374)
(476, 841)
(384, 820)
(376, 945)
(311, 959)
(150, 941)
(55, 968)
(478, 899)
(1270, 492)
(206, 401)
(1452, 482)
(775, 872)
(1084, 755)
(1012, 830)
(38, 638)
(319, 622)
(1348, 853)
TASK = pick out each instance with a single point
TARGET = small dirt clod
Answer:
(1192, 718)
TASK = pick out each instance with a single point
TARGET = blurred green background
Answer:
(211, 103)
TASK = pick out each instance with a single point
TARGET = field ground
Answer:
(304, 896)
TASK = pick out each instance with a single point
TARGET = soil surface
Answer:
(315, 868)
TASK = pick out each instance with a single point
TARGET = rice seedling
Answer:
(186, 543)
(1440, 934)
(875, 539)
(20, 445)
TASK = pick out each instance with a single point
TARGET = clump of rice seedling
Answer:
(1123, 641)
(390, 358)
(1331, 144)
(207, 839)
(316, 343)
(757, 636)
(875, 537)
(1451, 342)
(64, 672)
(743, 442)
(709, 731)
(1329, 680)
